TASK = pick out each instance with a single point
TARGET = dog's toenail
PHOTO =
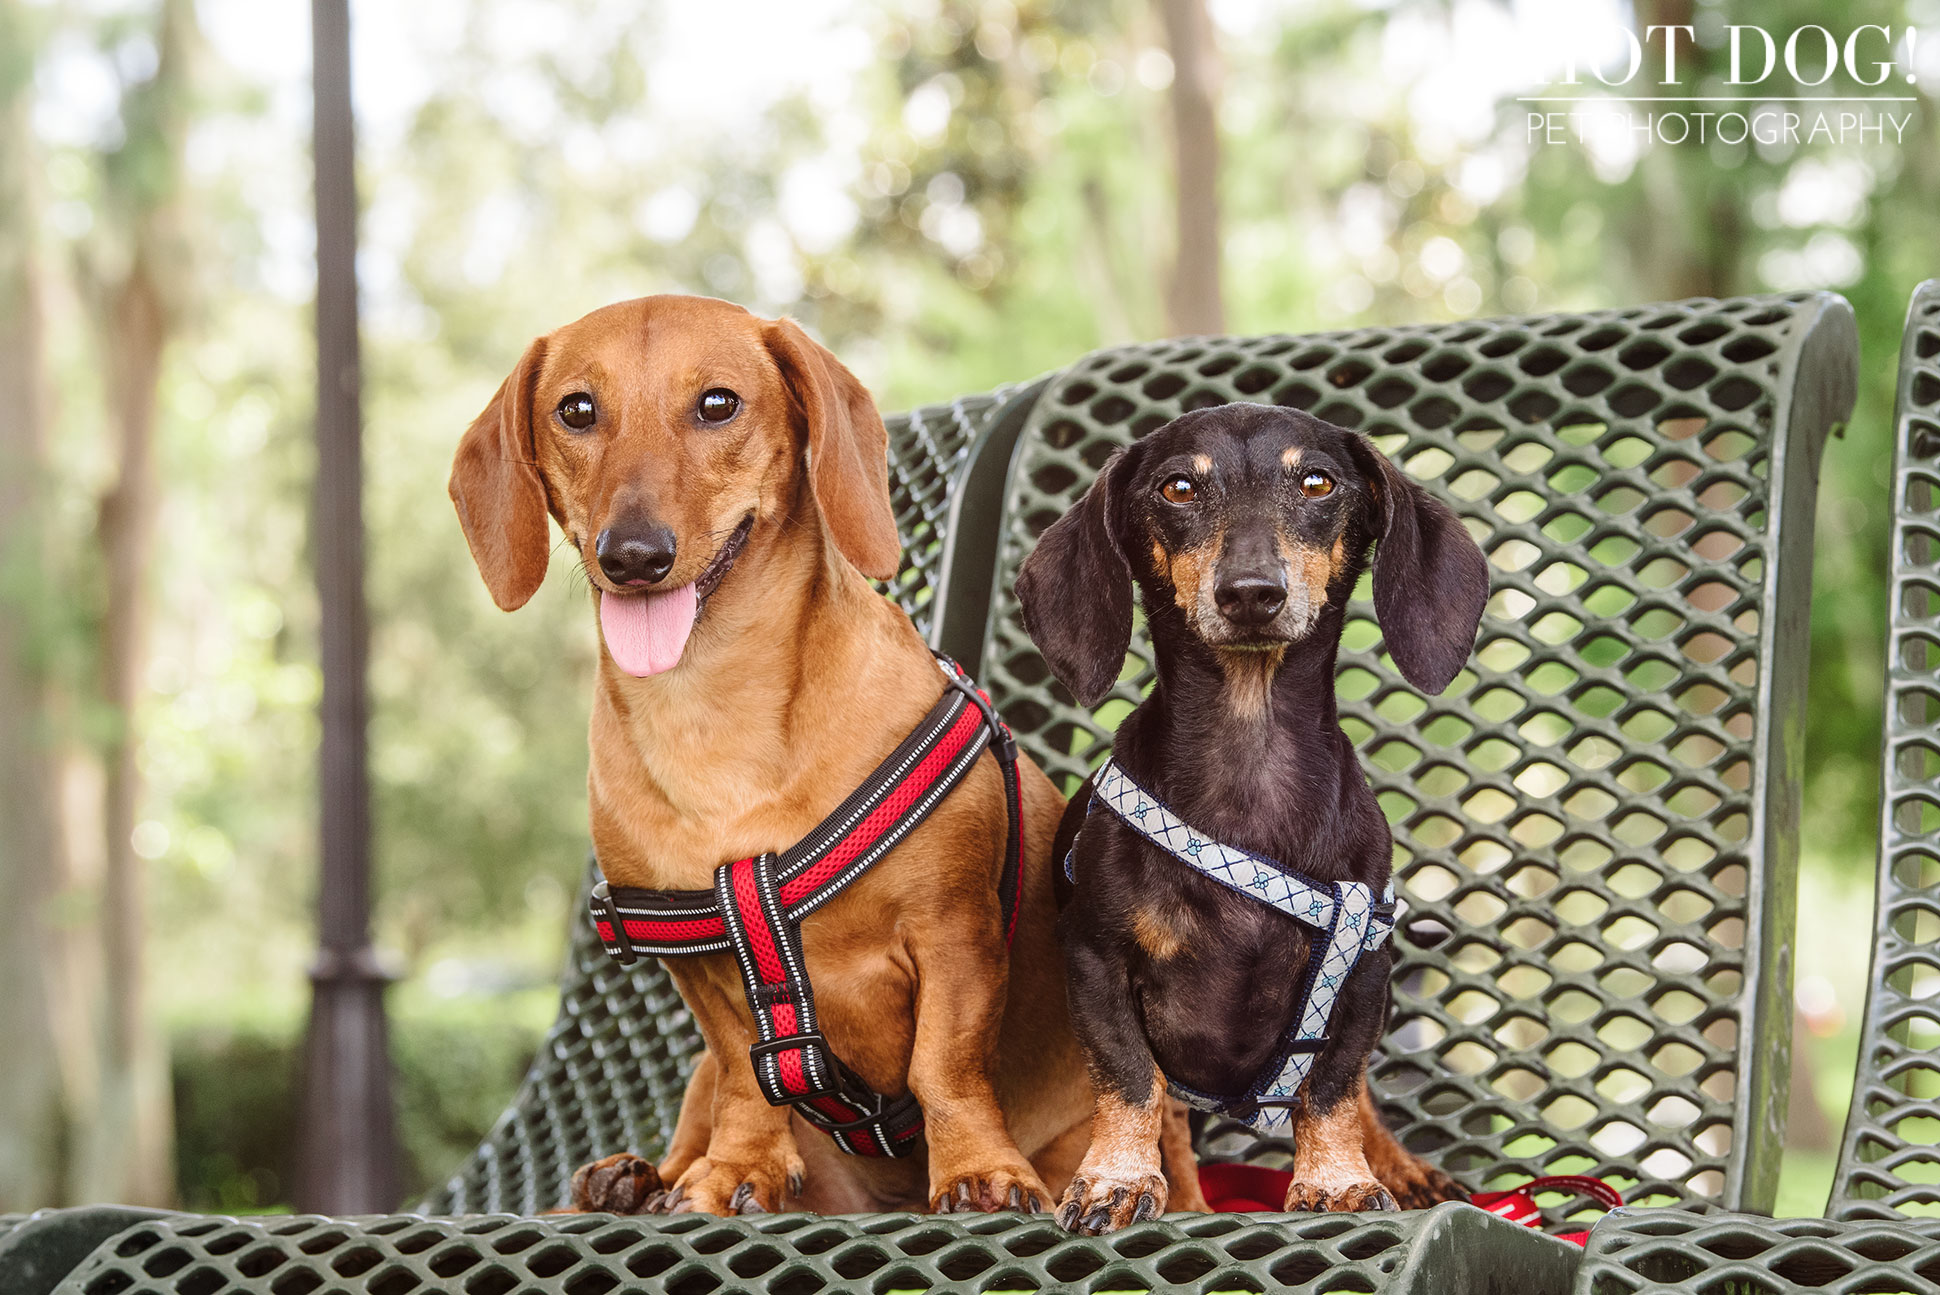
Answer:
(1014, 1199)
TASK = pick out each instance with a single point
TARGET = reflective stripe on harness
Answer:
(1346, 919)
(756, 908)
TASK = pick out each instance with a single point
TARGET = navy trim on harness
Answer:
(756, 906)
(1343, 914)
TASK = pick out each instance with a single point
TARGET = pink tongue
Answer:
(646, 633)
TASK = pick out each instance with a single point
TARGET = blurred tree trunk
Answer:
(33, 1117)
(129, 1153)
(1687, 228)
(1194, 302)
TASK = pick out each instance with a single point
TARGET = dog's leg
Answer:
(974, 1163)
(750, 1164)
(1415, 1183)
(1122, 1178)
(1180, 1161)
(1330, 1168)
(696, 1123)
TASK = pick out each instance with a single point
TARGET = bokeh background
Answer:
(951, 193)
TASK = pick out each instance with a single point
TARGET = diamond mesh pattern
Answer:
(799, 1254)
(1890, 1160)
(928, 449)
(1735, 1254)
(1574, 818)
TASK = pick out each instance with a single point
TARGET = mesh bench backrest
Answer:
(1889, 1163)
(1594, 825)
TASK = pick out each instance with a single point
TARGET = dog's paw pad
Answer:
(1094, 1206)
(1354, 1198)
(621, 1184)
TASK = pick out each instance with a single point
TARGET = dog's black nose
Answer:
(1250, 599)
(637, 555)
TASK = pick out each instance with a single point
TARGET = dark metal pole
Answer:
(347, 1159)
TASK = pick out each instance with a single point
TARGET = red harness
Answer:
(757, 905)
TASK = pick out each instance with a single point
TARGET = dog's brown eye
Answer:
(718, 405)
(576, 411)
(1177, 491)
(1315, 485)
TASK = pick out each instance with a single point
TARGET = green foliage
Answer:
(236, 1095)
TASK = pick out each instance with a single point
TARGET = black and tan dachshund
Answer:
(1244, 529)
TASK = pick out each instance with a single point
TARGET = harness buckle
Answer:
(790, 1043)
(787, 1043)
(602, 901)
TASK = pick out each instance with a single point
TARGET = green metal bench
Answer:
(1878, 1235)
(1595, 827)
(1889, 1161)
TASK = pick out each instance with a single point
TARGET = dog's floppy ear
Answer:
(1430, 580)
(1075, 588)
(848, 450)
(495, 486)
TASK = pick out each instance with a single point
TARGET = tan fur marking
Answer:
(1155, 935)
(1123, 1166)
(1187, 570)
(1202, 462)
(1317, 567)
(1291, 456)
(1249, 679)
(1124, 1137)
(1327, 1149)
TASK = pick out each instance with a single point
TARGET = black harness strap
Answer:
(756, 907)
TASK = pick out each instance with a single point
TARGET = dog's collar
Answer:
(723, 560)
(756, 907)
(1347, 921)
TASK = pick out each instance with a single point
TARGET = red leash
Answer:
(1255, 1189)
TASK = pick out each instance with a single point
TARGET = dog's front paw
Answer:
(1102, 1203)
(1422, 1185)
(622, 1184)
(983, 1191)
(1352, 1198)
(717, 1187)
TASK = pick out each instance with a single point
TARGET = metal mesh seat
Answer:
(1889, 1161)
(1596, 829)
(1595, 826)
(1679, 1253)
(1432, 1253)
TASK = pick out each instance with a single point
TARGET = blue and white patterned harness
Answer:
(1346, 919)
